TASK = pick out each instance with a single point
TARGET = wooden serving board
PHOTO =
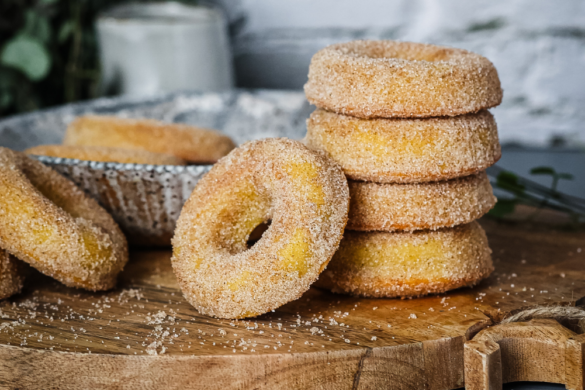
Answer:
(145, 335)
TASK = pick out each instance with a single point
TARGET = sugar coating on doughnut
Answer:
(406, 150)
(105, 154)
(401, 264)
(190, 143)
(51, 224)
(392, 79)
(305, 196)
(12, 274)
(416, 206)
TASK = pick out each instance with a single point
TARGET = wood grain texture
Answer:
(540, 350)
(483, 365)
(575, 363)
(145, 335)
(528, 351)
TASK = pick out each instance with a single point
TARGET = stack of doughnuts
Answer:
(409, 125)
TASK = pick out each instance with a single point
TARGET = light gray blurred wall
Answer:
(538, 47)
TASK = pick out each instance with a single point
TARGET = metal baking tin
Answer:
(146, 200)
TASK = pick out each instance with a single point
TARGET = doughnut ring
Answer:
(406, 150)
(389, 79)
(303, 193)
(389, 207)
(105, 154)
(12, 275)
(51, 224)
(401, 264)
(193, 144)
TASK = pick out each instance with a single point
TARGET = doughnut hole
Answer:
(257, 233)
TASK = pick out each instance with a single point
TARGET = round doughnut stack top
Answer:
(409, 125)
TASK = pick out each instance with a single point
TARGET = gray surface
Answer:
(521, 161)
(242, 114)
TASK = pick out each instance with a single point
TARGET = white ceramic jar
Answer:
(163, 47)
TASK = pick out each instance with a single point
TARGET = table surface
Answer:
(56, 331)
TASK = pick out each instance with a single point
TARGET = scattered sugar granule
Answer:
(374, 338)
(158, 318)
(413, 316)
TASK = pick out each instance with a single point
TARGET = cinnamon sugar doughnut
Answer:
(12, 274)
(406, 150)
(417, 206)
(194, 144)
(392, 79)
(105, 154)
(400, 264)
(303, 193)
(51, 224)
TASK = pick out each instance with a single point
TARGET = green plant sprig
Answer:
(48, 52)
(527, 192)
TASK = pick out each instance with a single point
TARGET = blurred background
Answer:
(54, 52)
(50, 52)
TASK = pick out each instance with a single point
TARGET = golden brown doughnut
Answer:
(12, 274)
(51, 224)
(303, 193)
(401, 264)
(406, 150)
(389, 207)
(390, 79)
(193, 144)
(105, 154)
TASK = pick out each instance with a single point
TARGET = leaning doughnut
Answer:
(400, 264)
(303, 193)
(417, 206)
(12, 274)
(406, 150)
(105, 154)
(51, 224)
(190, 143)
(392, 79)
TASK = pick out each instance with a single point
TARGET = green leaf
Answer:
(6, 78)
(27, 55)
(37, 26)
(65, 31)
(6, 98)
(543, 171)
(566, 176)
(503, 207)
(509, 181)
